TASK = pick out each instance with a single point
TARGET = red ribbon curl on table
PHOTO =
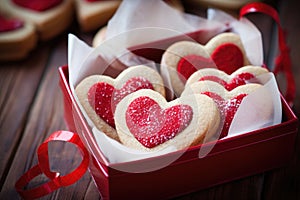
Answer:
(282, 64)
(43, 167)
(283, 60)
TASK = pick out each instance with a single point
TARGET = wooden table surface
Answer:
(31, 108)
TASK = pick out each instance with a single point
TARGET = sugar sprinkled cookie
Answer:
(100, 94)
(241, 76)
(17, 38)
(147, 122)
(228, 101)
(224, 51)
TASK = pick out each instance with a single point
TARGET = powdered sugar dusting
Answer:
(104, 98)
(228, 108)
(238, 80)
(152, 125)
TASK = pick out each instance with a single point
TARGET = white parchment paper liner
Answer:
(139, 14)
(84, 61)
(260, 109)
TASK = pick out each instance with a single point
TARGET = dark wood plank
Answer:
(40, 109)
(18, 84)
(45, 117)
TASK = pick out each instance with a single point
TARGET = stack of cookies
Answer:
(210, 81)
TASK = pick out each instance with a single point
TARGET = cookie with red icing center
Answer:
(50, 17)
(224, 51)
(17, 38)
(241, 76)
(147, 122)
(100, 94)
(228, 101)
(10, 24)
(37, 5)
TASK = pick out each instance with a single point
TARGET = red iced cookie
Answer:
(104, 97)
(99, 94)
(17, 38)
(186, 65)
(10, 24)
(228, 101)
(228, 57)
(228, 108)
(147, 122)
(225, 52)
(50, 17)
(151, 125)
(37, 5)
(92, 14)
(240, 77)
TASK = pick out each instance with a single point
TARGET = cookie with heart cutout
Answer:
(241, 76)
(224, 51)
(17, 38)
(100, 94)
(50, 17)
(146, 121)
(228, 101)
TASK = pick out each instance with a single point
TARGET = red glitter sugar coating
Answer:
(189, 64)
(38, 5)
(10, 24)
(151, 125)
(228, 109)
(104, 98)
(228, 57)
(240, 79)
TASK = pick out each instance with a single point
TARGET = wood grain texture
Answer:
(31, 108)
(17, 95)
(45, 116)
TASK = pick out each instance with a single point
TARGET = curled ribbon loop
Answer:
(283, 61)
(43, 167)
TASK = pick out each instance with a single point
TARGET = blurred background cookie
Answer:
(49, 17)
(228, 4)
(101, 34)
(92, 14)
(17, 38)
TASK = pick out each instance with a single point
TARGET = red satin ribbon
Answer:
(283, 61)
(55, 180)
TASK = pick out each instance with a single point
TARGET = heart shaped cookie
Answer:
(50, 17)
(10, 24)
(147, 122)
(228, 101)
(100, 94)
(240, 77)
(17, 38)
(37, 5)
(92, 14)
(224, 51)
